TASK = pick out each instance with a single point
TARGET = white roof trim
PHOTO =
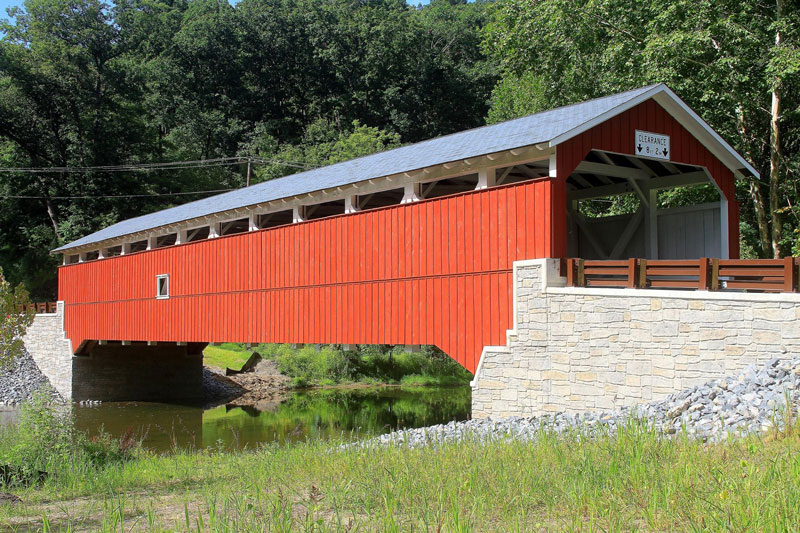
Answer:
(685, 116)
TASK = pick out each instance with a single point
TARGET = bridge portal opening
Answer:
(621, 206)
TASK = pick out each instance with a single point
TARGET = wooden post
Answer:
(580, 275)
(633, 274)
(703, 278)
(714, 284)
(642, 274)
(570, 272)
(248, 172)
(789, 275)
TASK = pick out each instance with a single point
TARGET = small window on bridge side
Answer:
(162, 286)
(73, 259)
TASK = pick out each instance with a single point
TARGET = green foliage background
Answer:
(87, 83)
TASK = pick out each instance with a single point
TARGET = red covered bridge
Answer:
(410, 246)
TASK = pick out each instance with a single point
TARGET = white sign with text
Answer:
(649, 144)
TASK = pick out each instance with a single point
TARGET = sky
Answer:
(9, 3)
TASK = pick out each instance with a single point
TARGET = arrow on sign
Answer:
(665, 152)
(639, 147)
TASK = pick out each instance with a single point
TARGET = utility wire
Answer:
(146, 167)
(87, 197)
(176, 165)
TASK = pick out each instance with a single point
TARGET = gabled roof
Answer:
(553, 126)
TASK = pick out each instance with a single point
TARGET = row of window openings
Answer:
(363, 202)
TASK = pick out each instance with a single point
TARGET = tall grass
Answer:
(630, 479)
(43, 444)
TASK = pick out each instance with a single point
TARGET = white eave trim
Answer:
(676, 107)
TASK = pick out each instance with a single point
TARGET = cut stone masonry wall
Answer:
(49, 347)
(578, 349)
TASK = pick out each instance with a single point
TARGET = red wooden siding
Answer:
(432, 272)
(617, 135)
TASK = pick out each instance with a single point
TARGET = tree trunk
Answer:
(762, 217)
(51, 212)
(756, 193)
(48, 203)
(775, 152)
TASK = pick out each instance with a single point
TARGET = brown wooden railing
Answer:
(39, 307)
(747, 275)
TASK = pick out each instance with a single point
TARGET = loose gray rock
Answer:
(754, 401)
(20, 380)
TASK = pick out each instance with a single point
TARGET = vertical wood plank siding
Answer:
(432, 272)
(617, 135)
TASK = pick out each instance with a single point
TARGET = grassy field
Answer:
(226, 355)
(629, 480)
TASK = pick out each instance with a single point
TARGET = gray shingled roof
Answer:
(533, 129)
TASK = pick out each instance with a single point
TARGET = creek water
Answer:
(347, 413)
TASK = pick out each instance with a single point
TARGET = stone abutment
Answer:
(113, 371)
(584, 349)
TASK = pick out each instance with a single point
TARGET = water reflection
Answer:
(313, 414)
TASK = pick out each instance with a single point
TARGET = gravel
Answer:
(754, 401)
(20, 380)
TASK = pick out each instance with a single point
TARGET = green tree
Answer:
(729, 60)
(86, 83)
(323, 143)
(14, 320)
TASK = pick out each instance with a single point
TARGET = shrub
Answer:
(13, 321)
(368, 364)
(43, 442)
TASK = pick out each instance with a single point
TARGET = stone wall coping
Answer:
(782, 297)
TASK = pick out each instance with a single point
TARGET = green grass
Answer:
(330, 365)
(228, 355)
(425, 380)
(629, 480)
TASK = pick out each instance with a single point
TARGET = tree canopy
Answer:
(87, 83)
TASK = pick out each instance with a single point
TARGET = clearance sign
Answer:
(647, 144)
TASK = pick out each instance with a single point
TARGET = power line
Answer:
(146, 167)
(88, 197)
